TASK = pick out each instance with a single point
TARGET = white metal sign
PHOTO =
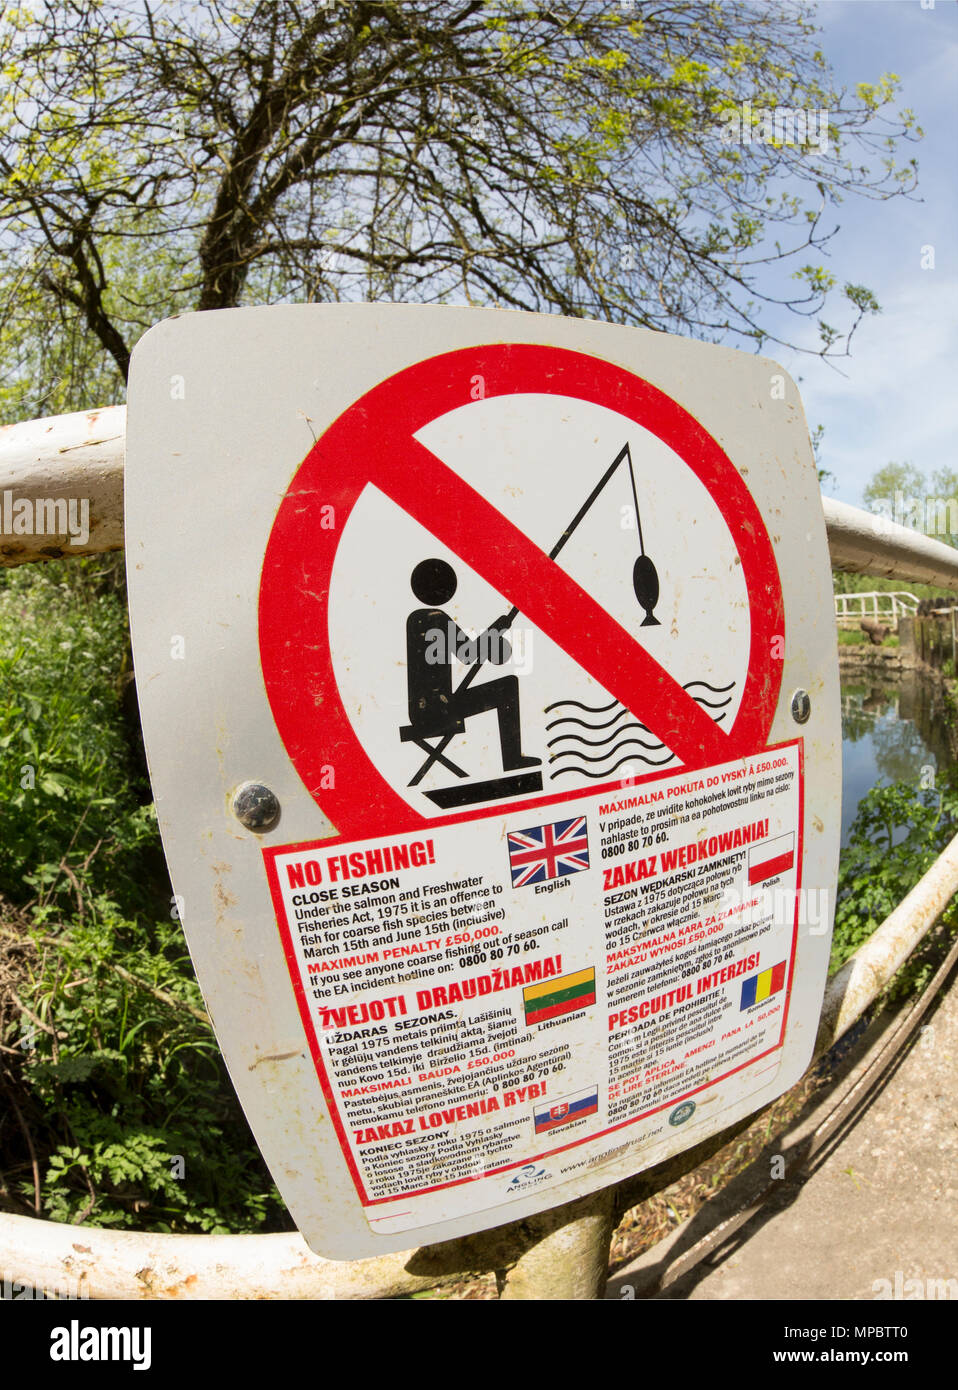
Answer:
(487, 671)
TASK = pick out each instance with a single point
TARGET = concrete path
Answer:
(879, 1208)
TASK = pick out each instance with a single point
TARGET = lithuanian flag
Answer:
(560, 996)
(759, 987)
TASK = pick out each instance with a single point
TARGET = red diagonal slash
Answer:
(504, 556)
(373, 443)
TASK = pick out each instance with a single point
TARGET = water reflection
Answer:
(891, 730)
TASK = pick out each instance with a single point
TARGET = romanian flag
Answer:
(759, 987)
(562, 1112)
(563, 995)
(771, 858)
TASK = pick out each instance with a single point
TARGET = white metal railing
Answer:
(561, 1254)
(850, 609)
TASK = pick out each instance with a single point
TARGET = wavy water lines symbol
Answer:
(585, 757)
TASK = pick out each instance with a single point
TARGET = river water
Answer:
(892, 728)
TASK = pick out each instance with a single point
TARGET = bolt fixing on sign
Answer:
(801, 706)
(256, 807)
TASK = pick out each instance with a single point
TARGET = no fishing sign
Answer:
(487, 671)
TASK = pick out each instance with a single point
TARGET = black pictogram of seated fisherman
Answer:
(433, 639)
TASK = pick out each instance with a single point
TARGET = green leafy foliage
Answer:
(593, 160)
(901, 493)
(64, 757)
(122, 1085)
(896, 836)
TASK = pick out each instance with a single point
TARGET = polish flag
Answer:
(771, 858)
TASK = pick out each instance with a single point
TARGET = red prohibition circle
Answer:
(373, 442)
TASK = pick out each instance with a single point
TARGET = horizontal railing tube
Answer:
(90, 1262)
(61, 486)
(868, 544)
(81, 456)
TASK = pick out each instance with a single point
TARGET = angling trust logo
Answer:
(76, 1343)
(45, 516)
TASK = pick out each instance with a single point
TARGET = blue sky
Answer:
(896, 397)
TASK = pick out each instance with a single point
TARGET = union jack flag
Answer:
(548, 851)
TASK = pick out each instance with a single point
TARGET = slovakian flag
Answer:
(759, 987)
(770, 858)
(548, 851)
(563, 995)
(553, 1113)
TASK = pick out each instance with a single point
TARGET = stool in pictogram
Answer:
(420, 736)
